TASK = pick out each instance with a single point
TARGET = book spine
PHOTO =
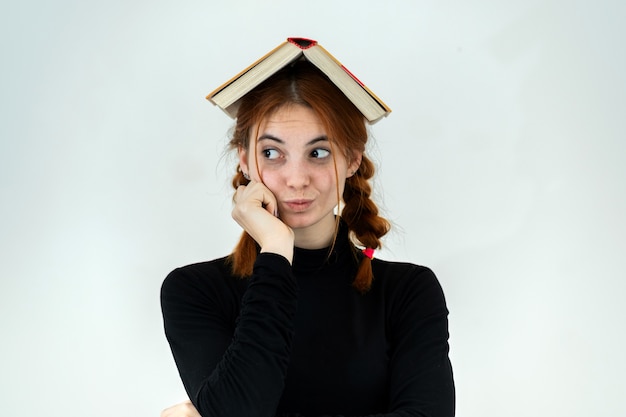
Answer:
(302, 43)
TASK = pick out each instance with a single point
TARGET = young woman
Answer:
(297, 321)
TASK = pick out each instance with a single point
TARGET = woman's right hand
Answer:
(185, 409)
(256, 211)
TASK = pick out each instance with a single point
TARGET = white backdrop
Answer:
(502, 168)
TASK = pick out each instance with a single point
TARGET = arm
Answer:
(421, 380)
(238, 373)
(228, 373)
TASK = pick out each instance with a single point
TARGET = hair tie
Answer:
(369, 252)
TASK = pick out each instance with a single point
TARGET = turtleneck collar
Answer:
(341, 251)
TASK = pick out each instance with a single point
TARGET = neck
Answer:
(318, 236)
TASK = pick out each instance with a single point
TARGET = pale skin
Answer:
(292, 194)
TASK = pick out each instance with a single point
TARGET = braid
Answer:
(243, 256)
(361, 215)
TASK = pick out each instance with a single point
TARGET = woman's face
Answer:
(296, 164)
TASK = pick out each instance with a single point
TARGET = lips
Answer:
(298, 204)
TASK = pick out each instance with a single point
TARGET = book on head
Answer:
(228, 95)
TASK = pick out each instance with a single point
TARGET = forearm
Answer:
(240, 373)
(249, 379)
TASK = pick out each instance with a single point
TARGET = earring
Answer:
(246, 176)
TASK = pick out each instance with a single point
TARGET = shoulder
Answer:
(197, 274)
(403, 273)
(213, 282)
(200, 282)
(403, 283)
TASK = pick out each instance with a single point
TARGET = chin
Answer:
(301, 221)
(296, 223)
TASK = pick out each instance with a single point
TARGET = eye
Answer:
(320, 153)
(270, 153)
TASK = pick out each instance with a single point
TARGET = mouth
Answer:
(298, 205)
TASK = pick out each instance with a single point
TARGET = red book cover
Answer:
(302, 43)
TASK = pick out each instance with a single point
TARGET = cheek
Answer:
(271, 180)
(329, 183)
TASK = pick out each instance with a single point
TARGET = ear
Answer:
(355, 163)
(243, 160)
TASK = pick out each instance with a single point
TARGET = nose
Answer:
(297, 174)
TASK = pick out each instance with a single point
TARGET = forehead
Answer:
(293, 121)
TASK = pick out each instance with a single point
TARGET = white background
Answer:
(502, 168)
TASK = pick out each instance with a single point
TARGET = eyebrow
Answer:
(267, 136)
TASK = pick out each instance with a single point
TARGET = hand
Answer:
(256, 211)
(185, 409)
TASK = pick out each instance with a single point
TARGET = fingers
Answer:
(269, 202)
(255, 195)
(256, 211)
(184, 409)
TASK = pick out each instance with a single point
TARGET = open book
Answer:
(228, 95)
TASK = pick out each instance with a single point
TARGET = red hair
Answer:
(303, 84)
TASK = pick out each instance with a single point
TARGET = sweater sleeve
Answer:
(421, 380)
(225, 373)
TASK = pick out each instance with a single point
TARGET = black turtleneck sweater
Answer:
(299, 340)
